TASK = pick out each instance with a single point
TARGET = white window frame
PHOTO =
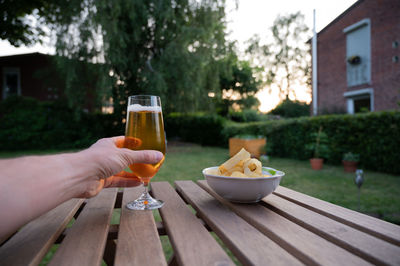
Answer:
(363, 22)
(366, 22)
(11, 70)
(359, 94)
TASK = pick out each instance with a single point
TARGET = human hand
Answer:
(108, 159)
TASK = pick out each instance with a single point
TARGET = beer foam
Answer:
(141, 108)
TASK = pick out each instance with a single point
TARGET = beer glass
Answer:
(145, 131)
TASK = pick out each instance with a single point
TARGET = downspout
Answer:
(314, 69)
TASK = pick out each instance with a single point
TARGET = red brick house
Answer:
(29, 75)
(358, 59)
(35, 75)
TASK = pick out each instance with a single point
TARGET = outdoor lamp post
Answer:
(359, 180)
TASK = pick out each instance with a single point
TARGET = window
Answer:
(11, 82)
(358, 53)
(360, 100)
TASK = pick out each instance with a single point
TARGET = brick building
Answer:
(358, 65)
(35, 75)
(29, 75)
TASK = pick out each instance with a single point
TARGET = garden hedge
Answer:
(27, 124)
(375, 136)
(30, 124)
(205, 129)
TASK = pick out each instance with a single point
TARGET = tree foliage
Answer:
(289, 109)
(286, 58)
(238, 85)
(23, 22)
(175, 49)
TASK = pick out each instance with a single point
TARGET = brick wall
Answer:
(36, 75)
(331, 61)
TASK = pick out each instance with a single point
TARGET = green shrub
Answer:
(204, 129)
(351, 157)
(30, 124)
(319, 145)
(375, 136)
(288, 109)
(245, 116)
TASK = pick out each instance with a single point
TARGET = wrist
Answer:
(80, 172)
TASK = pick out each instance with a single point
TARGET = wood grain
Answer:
(138, 240)
(308, 247)
(370, 248)
(191, 241)
(31, 243)
(85, 242)
(381, 229)
(250, 246)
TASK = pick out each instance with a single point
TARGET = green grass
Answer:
(379, 193)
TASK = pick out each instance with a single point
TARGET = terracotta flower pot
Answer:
(350, 166)
(316, 163)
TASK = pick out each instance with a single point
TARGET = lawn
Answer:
(379, 193)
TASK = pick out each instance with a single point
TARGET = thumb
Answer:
(144, 156)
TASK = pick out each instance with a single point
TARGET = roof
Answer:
(341, 15)
(23, 55)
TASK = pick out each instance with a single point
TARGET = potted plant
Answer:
(253, 144)
(318, 148)
(354, 60)
(350, 161)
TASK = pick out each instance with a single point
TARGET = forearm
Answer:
(32, 185)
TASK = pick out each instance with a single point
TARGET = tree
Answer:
(23, 21)
(153, 47)
(175, 49)
(286, 57)
(288, 109)
(14, 25)
(238, 85)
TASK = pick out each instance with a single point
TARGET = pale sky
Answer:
(251, 17)
(257, 16)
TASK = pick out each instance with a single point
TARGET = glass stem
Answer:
(146, 188)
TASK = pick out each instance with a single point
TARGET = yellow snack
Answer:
(238, 174)
(241, 165)
(222, 170)
(232, 162)
(252, 168)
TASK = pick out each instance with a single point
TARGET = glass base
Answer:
(145, 202)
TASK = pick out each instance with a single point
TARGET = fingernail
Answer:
(159, 156)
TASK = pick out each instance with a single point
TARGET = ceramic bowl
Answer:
(243, 189)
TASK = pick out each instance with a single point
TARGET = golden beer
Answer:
(145, 131)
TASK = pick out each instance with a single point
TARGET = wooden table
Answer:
(286, 228)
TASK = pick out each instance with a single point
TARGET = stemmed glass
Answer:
(145, 131)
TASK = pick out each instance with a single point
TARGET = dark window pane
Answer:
(362, 105)
(11, 83)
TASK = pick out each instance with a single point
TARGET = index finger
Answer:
(119, 141)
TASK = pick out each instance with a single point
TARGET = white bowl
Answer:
(243, 189)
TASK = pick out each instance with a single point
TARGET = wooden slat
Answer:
(138, 240)
(31, 243)
(364, 245)
(310, 248)
(381, 229)
(191, 241)
(249, 245)
(85, 242)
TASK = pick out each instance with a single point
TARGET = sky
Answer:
(257, 16)
(251, 17)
